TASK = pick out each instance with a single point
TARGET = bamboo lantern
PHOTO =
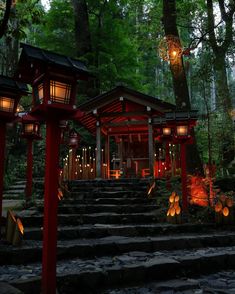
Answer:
(10, 226)
(174, 211)
(18, 234)
(224, 210)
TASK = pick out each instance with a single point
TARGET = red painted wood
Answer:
(50, 208)
(29, 175)
(2, 160)
(184, 176)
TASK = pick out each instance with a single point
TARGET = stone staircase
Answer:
(16, 191)
(110, 235)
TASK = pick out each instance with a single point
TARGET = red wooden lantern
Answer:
(10, 94)
(182, 131)
(54, 80)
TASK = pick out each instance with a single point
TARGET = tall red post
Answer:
(184, 176)
(2, 160)
(29, 176)
(50, 207)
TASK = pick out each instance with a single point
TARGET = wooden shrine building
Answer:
(146, 132)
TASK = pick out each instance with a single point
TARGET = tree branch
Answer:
(3, 26)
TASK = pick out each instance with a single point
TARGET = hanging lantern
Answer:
(74, 139)
(170, 49)
(182, 131)
(166, 131)
(30, 127)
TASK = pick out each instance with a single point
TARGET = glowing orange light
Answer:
(20, 226)
(178, 210)
(172, 211)
(225, 211)
(218, 207)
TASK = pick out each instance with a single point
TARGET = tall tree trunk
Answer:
(3, 25)
(177, 67)
(84, 45)
(223, 97)
(82, 31)
(179, 80)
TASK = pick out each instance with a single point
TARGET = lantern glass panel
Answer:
(6, 104)
(29, 128)
(60, 92)
(166, 131)
(182, 130)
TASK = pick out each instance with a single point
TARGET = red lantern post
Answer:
(10, 94)
(54, 78)
(30, 131)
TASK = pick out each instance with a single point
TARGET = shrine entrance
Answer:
(143, 131)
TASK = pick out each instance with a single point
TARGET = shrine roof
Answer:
(42, 57)
(129, 94)
(122, 107)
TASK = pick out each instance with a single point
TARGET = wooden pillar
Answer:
(107, 155)
(29, 174)
(121, 152)
(184, 176)
(151, 151)
(98, 151)
(49, 254)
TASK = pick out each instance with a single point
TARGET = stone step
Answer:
(108, 194)
(111, 190)
(114, 201)
(86, 276)
(115, 245)
(17, 187)
(13, 191)
(107, 230)
(94, 218)
(96, 208)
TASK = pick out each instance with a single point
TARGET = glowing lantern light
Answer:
(218, 207)
(178, 210)
(172, 211)
(172, 198)
(229, 202)
(225, 211)
(166, 131)
(177, 198)
(182, 131)
(170, 48)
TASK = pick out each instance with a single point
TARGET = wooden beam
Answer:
(123, 114)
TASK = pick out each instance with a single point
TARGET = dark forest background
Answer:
(119, 42)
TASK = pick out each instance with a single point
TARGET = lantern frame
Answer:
(10, 94)
(166, 131)
(34, 128)
(47, 98)
(182, 131)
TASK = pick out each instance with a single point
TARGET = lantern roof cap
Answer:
(9, 84)
(31, 54)
(180, 116)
